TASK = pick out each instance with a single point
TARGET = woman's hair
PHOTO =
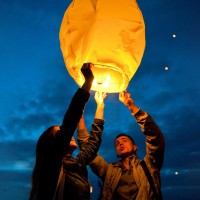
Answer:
(44, 141)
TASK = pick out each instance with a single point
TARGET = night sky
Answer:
(36, 90)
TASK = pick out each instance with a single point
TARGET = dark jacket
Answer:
(110, 173)
(77, 186)
(49, 159)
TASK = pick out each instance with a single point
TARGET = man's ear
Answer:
(135, 148)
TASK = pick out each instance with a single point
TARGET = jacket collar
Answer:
(119, 163)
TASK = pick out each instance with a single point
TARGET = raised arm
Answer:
(98, 164)
(90, 143)
(83, 134)
(154, 139)
(76, 107)
(99, 98)
(126, 99)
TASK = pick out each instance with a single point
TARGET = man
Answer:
(128, 178)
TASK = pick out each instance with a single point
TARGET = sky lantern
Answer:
(109, 34)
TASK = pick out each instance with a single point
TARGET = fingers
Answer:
(100, 94)
(123, 95)
(99, 97)
(87, 66)
(91, 65)
(96, 95)
(87, 72)
(104, 95)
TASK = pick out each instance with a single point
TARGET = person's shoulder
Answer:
(69, 160)
(116, 164)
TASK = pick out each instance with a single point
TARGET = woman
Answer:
(57, 175)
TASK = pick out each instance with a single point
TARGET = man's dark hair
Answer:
(123, 134)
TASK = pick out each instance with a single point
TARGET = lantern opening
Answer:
(106, 79)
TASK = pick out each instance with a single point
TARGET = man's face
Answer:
(124, 147)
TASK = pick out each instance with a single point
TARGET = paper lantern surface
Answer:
(109, 34)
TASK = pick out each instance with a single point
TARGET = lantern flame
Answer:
(106, 83)
(101, 84)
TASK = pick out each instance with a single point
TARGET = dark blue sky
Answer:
(36, 90)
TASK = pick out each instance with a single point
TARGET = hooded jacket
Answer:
(76, 184)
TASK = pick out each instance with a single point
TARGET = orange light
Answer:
(101, 85)
(109, 34)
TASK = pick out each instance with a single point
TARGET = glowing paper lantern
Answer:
(108, 33)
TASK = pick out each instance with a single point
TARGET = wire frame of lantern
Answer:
(108, 34)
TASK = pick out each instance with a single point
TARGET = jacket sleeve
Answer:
(90, 143)
(49, 159)
(72, 116)
(98, 165)
(155, 143)
(82, 137)
(58, 140)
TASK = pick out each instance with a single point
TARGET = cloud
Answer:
(40, 109)
(17, 184)
(17, 154)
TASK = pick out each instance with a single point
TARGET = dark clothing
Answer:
(77, 186)
(52, 146)
(76, 180)
(112, 173)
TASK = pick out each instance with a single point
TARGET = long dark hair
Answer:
(44, 141)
